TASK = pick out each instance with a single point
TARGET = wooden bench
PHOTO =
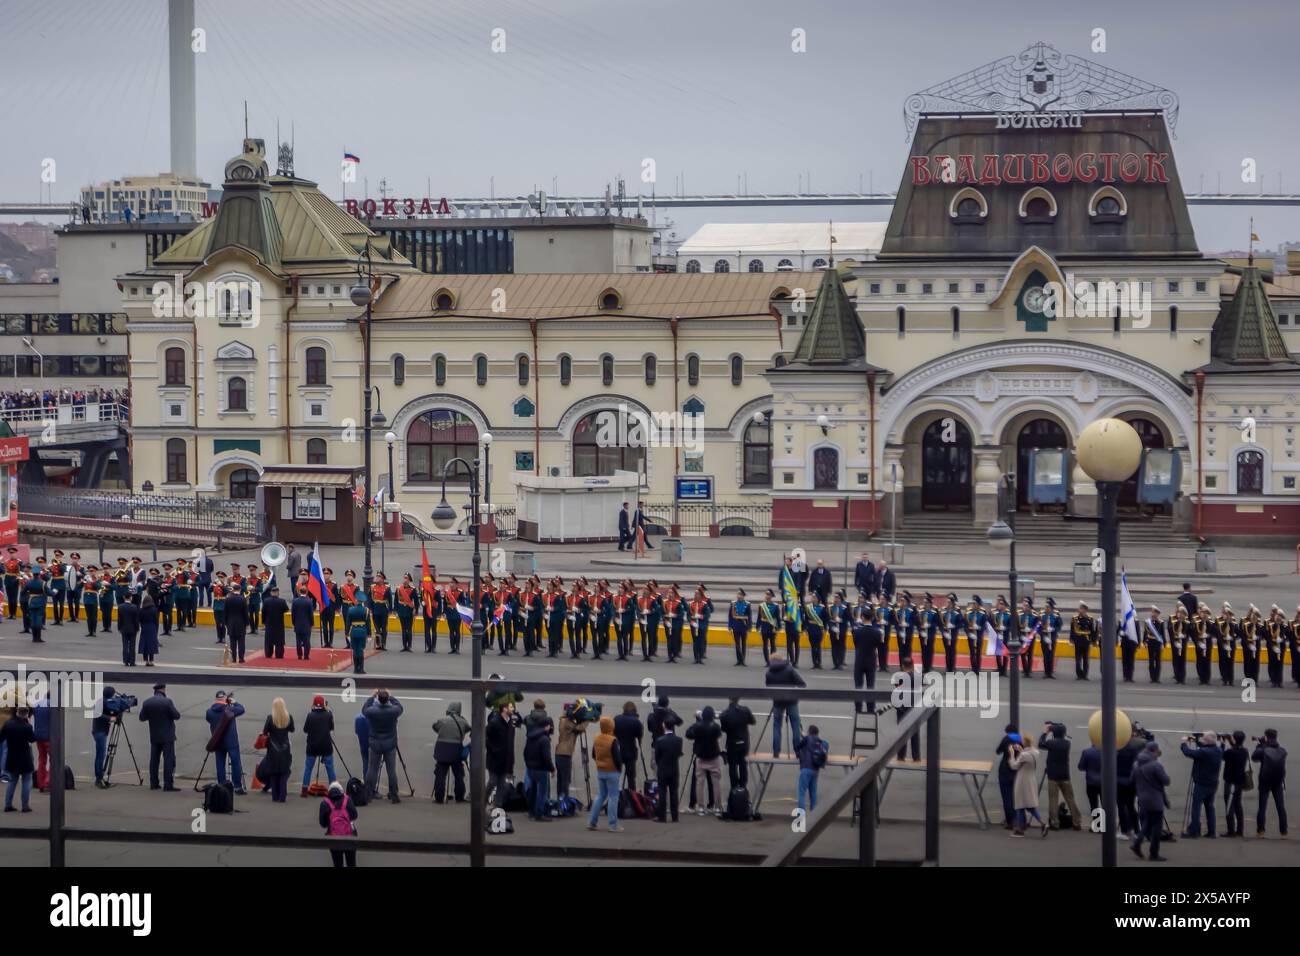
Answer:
(764, 765)
(974, 775)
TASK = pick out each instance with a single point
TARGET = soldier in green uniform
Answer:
(90, 600)
(355, 620)
(380, 599)
(58, 586)
(34, 595)
(256, 587)
(106, 596)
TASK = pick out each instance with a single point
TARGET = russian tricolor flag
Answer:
(992, 640)
(316, 579)
(351, 157)
(465, 613)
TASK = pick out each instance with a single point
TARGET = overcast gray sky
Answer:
(588, 88)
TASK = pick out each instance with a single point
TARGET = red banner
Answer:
(13, 449)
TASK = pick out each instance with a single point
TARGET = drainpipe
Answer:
(194, 398)
(677, 452)
(288, 364)
(871, 399)
(1200, 452)
(537, 402)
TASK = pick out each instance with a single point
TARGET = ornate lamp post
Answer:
(362, 294)
(1109, 451)
(1002, 534)
(444, 518)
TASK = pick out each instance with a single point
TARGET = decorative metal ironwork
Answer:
(1041, 79)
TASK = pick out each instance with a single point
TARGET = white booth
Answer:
(556, 510)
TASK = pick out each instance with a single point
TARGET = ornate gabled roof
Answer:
(1245, 331)
(833, 337)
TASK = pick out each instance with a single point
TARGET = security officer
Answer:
(952, 621)
(1049, 629)
(1155, 636)
(1083, 634)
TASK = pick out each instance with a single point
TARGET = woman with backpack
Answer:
(279, 753)
(337, 816)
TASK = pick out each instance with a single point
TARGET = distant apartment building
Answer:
(166, 195)
(34, 236)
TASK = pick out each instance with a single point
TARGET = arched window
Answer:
(480, 369)
(174, 366)
(610, 301)
(440, 370)
(566, 370)
(755, 265)
(176, 458)
(692, 370)
(722, 265)
(1038, 208)
(651, 369)
(237, 395)
(785, 265)
(316, 454)
(607, 370)
(692, 265)
(435, 438)
(243, 484)
(779, 361)
(1250, 472)
(737, 370)
(757, 454)
(315, 365)
(399, 370)
(826, 468)
(969, 208)
(595, 454)
(819, 263)
(1108, 206)
(523, 370)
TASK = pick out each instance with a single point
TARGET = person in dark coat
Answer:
(624, 528)
(864, 577)
(888, 583)
(224, 706)
(820, 583)
(540, 764)
(301, 615)
(1206, 759)
(279, 749)
(161, 716)
(1271, 757)
(236, 623)
(18, 736)
(499, 743)
(319, 728)
(781, 673)
(1126, 791)
(128, 626)
(1235, 760)
(1007, 775)
(383, 711)
(148, 646)
(706, 733)
(448, 753)
(1090, 764)
(1149, 781)
(274, 608)
(629, 731)
(668, 756)
(1056, 746)
(735, 722)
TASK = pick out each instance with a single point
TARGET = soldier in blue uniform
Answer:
(926, 621)
(837, 624)
(1083, 634)
(769, 621)
(34, 595)
(977, 619)
(816, 616)
(356, 621)
(1002, 624)
(1049, 628)
(951, 620)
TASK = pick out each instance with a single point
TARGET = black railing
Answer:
(234, 518)
(861, 781)
(709, 518)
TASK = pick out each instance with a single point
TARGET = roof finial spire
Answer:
(830, 235)
(1250, 255)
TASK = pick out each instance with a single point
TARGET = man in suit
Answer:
(161, 715)
(292, 565)
(301, 615)
(625, 539)
(128, 625)
(821, 583)
(638, 521)
(864, 577)
(274, 608)
(888, 583)
(1189, 600)
(236, 623)
(203, 568)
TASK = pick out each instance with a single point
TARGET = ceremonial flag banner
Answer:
(1126, 608)
(992, 639)
(791, 595)
(466, 614)
(426, 579)
(316, 579)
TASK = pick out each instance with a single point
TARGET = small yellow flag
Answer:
(1255, 238)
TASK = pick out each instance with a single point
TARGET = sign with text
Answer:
(695, 488)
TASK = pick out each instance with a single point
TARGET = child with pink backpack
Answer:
(337, 816)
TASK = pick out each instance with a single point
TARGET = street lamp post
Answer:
(1002, 534)
(362, 294)
(444, 518)
(389, 438)
(1109, 451)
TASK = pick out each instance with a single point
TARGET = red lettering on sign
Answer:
(920, 170)
(390, 207)
(369, 207)
(966, 168)
(1038, 167)
(425, 208)
(210, 209)
(408, 207)
(1156, 172)
(989, 174)
(1013, 168)
(351, 206)
(443, 208)
(1062, 167)
(1108, 161)
(1085, 167)
(1130, 167)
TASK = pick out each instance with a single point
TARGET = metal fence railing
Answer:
(26, 419)
(234, 518)
(709, 518)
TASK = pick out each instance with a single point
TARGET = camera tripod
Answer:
(118, 730)
(586, 766)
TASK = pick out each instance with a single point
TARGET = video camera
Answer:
(119, 704)
(584, 711)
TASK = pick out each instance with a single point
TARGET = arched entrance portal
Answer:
(946, 466)
(1152, 437)
(1039, 433)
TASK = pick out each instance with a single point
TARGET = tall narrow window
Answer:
(757, 454)
(174, 366)
(737, 370)
(315, 365)
(1250, 473)
(176, 458)
(237, 395)
(1114, 322)
(956, 320)
(692, 370)
(316, 453)
(902, 320)
(440, 370)
(607, 370)
(651, 370)
(566, 370)
(523, 370)
(399, 370)
(480, 369)
(1173, 320)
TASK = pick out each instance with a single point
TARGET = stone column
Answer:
(1083, 491)
(988, 474)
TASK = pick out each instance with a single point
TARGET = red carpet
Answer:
(322, 659)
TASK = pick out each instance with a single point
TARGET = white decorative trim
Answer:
(235, 351)
(199, 385)
(272, 381)
(968, 192)
(1036, 192)
(574, 413)
(745, 414)
(238, 457)
(1102, 193)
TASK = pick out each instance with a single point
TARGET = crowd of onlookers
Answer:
(53, 397)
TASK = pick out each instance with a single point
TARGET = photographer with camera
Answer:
(1057, 748)
(1236, 763)
(629, 730)
(161, 716)
(707, 735)
(573, 724)
(383, 711)
(1271, 757)
(221, 716)
(448, 751)
(319, 730)
(1206, 759)
(499, 744)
